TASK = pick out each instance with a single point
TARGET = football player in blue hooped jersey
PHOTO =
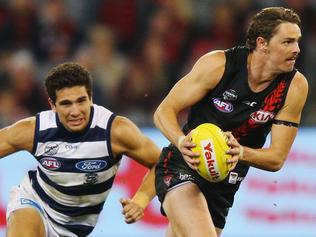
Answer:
(247, 91)
(79, 146)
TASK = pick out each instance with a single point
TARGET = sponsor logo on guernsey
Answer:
(261, 116)
(51, 148)
(71, 146)
(50, 163)
(223, 106)
(230, 95)
(91, 165)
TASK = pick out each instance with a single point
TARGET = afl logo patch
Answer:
(262, 116)
(223, 106)
(91, 165)
(51, 149)
(50, 163)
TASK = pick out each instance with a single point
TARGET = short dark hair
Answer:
(67, 75)
(265, 23)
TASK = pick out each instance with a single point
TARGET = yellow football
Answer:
(211, 145)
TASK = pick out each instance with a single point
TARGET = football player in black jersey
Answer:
(248, 92)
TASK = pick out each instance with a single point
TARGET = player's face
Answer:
(283, 47)
(73, 107)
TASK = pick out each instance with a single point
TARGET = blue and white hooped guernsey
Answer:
(76, 170)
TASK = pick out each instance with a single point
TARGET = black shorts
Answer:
(172, 170)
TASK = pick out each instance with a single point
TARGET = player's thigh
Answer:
(25, 222)
(169, 231)
(187, 210)
(218, 231)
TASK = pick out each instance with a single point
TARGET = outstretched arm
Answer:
(18, 136)
(127, 139)
(282, 136)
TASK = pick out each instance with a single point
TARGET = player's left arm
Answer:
(129, 140)
(283, 131)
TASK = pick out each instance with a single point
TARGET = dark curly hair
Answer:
(67, 75)
(265, 23)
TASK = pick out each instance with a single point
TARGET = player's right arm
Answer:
(18, 136)
(204, 76)
(127, 139)
(272, 158)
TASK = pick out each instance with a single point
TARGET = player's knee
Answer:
(25, 223)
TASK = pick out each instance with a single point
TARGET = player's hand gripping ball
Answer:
(211, 145)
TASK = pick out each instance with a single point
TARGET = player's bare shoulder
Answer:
(125, 135)
(210, 68)
(299, 83)
(216, 56)
(294, 104)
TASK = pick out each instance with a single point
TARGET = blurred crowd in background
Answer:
(135, 49)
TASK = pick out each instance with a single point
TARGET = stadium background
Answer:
(136, 50)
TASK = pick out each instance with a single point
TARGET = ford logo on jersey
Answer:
(50, 163)
(223, 106)
(91, 165)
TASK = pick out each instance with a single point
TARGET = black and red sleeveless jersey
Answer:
(232, 105)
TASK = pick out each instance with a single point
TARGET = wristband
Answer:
(241, 151)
